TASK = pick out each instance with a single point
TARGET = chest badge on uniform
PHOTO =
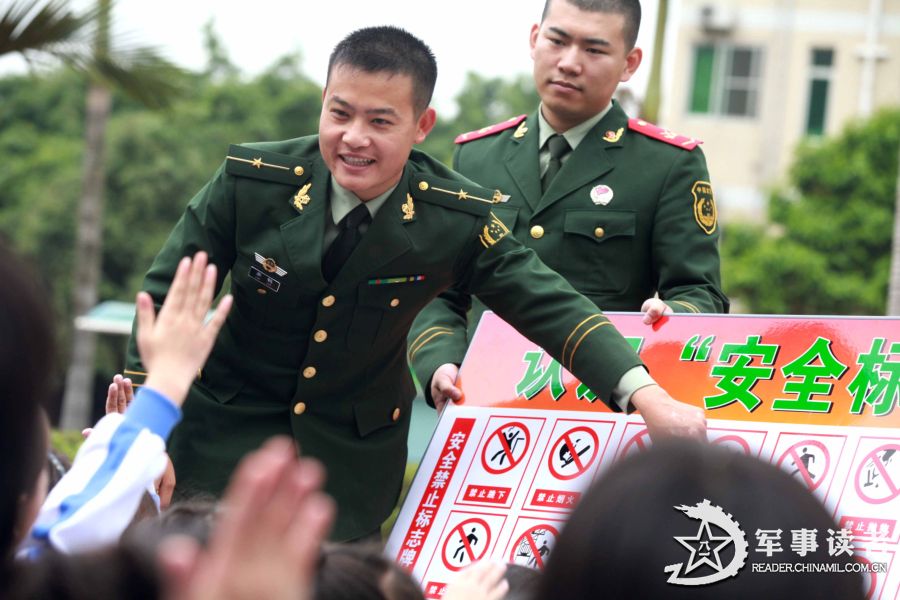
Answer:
(704, 206)
(409, 209)
(601, 195)
(269, 264)
(301, 198)
(267, 276)
(613, 136)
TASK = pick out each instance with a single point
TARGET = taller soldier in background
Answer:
(334, 243)
(623, 209)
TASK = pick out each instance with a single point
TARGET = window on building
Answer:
(726, 80)
(821, 61)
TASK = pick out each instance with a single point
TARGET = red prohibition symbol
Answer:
(874, 482)
(573, 453)
(640, 442)
(804, 462)
(467, 543)
(728, 441)
(533, 547)
(505, 448)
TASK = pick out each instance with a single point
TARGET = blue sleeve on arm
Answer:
(155, 411)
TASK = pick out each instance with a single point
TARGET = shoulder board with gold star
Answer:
(662, 134)
(246, 161)
(489, 130)
(455, 194)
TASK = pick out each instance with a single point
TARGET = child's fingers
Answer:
(129, 391)
(146, 316)
(207, 291)
(112, 398)
(195, 280)
(175, 298)
(218, 317)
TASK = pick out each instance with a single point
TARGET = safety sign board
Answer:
(507, 465)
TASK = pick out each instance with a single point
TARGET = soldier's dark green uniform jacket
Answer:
(326, 363)
(630, 213)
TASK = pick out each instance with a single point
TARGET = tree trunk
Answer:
(76, 409)
(893, 306)
(88, 258)
(653, 97)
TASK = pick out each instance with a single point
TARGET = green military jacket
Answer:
(630, 213)
(326, 363)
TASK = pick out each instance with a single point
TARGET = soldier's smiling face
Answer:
(579, 58)
(367, 128)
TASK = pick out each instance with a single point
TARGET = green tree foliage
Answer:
(827, 247)
(156, 161)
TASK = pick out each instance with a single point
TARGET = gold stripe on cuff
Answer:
(577, 327)
(413, 353)
(581, 339)
(687, 305)
(424, 333)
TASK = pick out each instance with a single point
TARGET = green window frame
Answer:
(726, 80)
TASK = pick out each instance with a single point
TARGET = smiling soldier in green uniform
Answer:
(334, 243)
(621, 208)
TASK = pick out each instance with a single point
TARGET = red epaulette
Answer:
(489, 130)
(662, 134)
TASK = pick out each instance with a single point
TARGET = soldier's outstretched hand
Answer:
(666, 416)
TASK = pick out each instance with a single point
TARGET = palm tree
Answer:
(49, 29)
(652, 99)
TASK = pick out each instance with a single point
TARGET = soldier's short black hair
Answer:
(389, 49)
(630, 9)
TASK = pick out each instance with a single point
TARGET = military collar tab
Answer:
(455, 194)
(492, 129)
(663, 135)
(247, 161)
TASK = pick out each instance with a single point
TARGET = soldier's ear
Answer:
(425, 124)
(632, 62)
(533, 37)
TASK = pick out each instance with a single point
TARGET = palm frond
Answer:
(39, 25)
(42, 29)
(142, 74)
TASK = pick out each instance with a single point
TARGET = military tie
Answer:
(558, 147)
(347, 239)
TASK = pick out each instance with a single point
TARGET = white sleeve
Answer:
(95, 501)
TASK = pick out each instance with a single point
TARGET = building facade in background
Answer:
(753, 78)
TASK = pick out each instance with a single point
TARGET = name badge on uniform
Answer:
(601, 195)
(264, 280)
